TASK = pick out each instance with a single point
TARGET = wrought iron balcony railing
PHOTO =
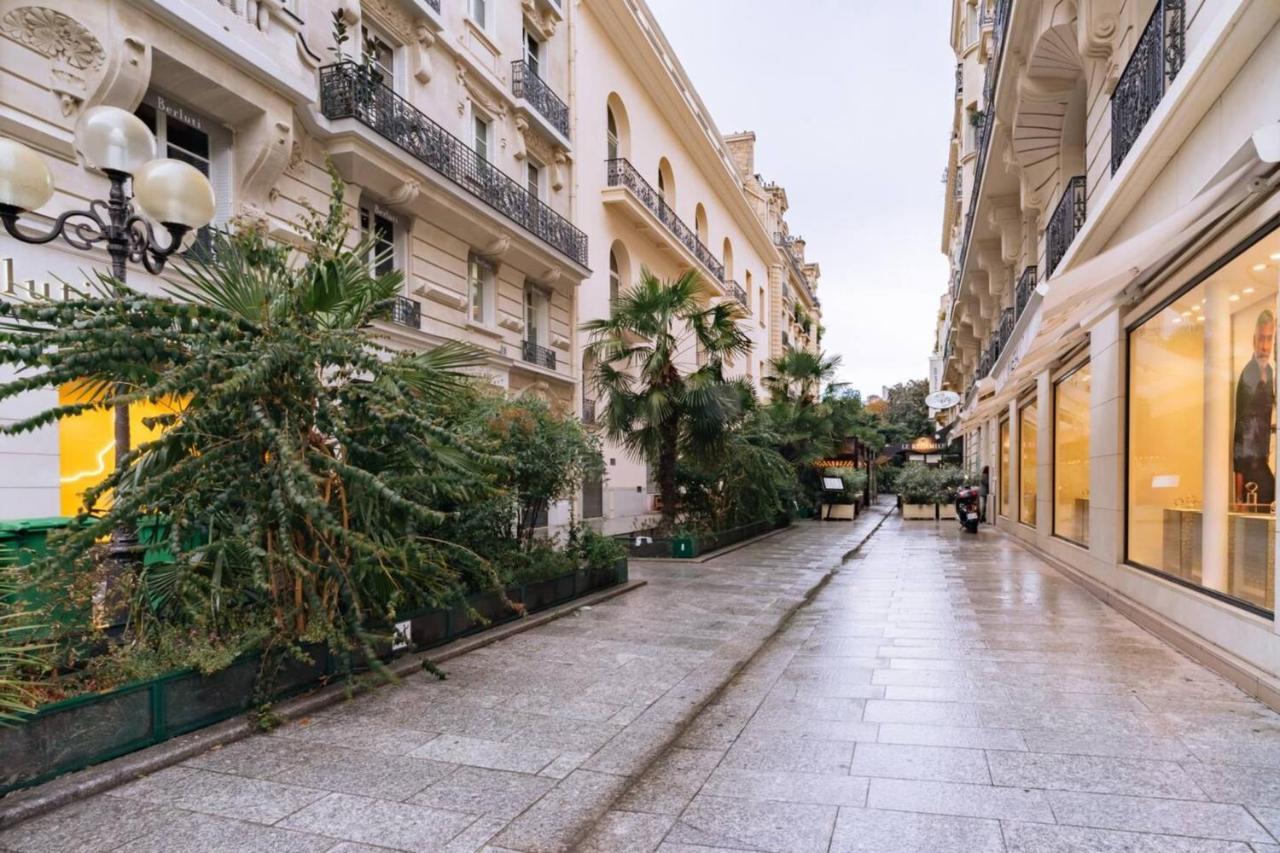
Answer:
(1064, 224)
(407, 312)
(736, 291)
(959, 79)
(525, 83)
(347, 91)
(787, 244)
(588, 411)
(1007, 319)
(1026, 286)
(1157, 58)
(434, 4)
(535, 353)
(623, 174)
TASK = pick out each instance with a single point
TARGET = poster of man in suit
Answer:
(1255, 479)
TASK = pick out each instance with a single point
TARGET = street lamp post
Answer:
(170, 192)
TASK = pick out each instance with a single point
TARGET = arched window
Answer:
(617, 128)
(615, 280)
(700, 224)
(727, 257)
(666, 182)
(612, 139)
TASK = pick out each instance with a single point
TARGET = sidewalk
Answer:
(523, 747)
(954, 694)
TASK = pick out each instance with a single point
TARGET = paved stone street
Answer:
(954, 693)
(525, 744)
(942, 692)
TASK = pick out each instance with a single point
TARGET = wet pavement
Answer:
(524, 746)
(943, 692)
(954, 693)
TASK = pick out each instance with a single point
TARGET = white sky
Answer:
(851, 104)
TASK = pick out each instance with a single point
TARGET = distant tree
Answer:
(906, 416)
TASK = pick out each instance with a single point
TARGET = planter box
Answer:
(73, 734)
(920, 512)
(685, 547)
(844, 512)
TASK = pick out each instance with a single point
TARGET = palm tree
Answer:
(798, 375)
(653, 408)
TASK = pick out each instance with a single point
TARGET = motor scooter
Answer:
(968, 509)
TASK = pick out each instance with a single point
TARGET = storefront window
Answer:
(1027, 464)
(1202, 436)
(1004, 468)
(1071, 457)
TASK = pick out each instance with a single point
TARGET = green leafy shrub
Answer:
(307, 473)
(917, 484)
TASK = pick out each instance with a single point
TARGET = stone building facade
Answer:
(482, 159)
(1112, 225)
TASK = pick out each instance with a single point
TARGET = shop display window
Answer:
(1202, 436)
(1004, 467)
(1027, 464)
(1071, 457)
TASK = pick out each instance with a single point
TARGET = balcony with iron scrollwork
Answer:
(406, 312)
(647, 206)
(535, 353)
(738, 293)
(1026, 287)
(1065, 222)
(526, 84)
(349, 92)
(1156, 60)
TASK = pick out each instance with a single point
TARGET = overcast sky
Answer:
(851, 104)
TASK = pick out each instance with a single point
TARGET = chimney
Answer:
(742, 150)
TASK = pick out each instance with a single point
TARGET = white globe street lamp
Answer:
(170, 192)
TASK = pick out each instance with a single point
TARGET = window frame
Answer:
(531, 48)
(479, 118)
(1154, 301)
(1004, 466)
(375, 212)
(486, 279)
(1063, 376)
(1032, 402)
(535, 178)
(479, 12)
(220, 163)
(370, 28)
(537, 300)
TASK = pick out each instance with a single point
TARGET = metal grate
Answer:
(537, 354)
(1064, 224)
(407, 312)
(525, 83)
(347, 91)
(623, 174)
(1157, 58)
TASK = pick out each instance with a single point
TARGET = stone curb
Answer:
(588, 823)
(32, 802)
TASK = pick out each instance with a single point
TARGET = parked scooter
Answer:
(968, 507)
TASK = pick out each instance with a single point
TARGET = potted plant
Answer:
(918, 488)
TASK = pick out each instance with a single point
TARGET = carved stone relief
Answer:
(74, 52)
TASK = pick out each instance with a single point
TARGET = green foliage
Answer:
(308, 472)
(920, 484)
(906, 416)
(593, 549)
(746, 481)
(23, 665)
(855, 481)
(549, 454)
(656, 411)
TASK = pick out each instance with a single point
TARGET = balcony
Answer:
(622, 174)
(535, 353)
(1026, 286)
(526, 84)
(1064, 224)
(1156, 60)
(406, 312)
(736, 291)
(784, 242)
(346, 91)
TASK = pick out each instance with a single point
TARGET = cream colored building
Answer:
(1114, 235)
(521, 159)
